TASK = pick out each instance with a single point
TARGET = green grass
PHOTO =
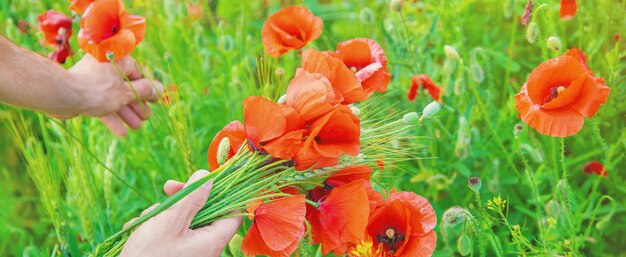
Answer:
(67, 185)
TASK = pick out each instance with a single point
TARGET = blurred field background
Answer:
(67, 185)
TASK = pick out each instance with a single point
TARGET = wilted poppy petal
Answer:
(595, 167)
(263, 120)
(568, 9)
(431, 87)
(412, 93)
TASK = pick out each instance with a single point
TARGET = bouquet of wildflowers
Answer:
(300, 167)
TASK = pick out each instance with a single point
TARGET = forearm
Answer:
(31, 81)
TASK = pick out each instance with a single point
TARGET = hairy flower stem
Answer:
(482, 225)
(566, 201)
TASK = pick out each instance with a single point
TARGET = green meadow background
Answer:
(67, 185)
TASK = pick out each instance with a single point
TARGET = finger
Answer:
(149, 209)
(130, 222)
(141, 109)
(187, 207)
(172, 186)
(130, 117)
(115, 124)
(145, 89)
(220, 231)
(129, 68)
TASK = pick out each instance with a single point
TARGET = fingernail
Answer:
(208, 184)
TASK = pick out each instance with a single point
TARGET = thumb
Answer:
(187, 207)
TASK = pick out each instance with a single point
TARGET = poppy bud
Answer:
(396, 5)
(355, 110)
(282, 99)
(454, 216)
(410, 118)
(532, 32)
(235, 245)
(553, 208)
(474, 184)
(459, 86)
(226, 42)
(517, 130)
(451, 53)
(430, 110)
(554, 43)
(222, 150)
(478, 75)
(279, 71)
(464, 245)
(110, 56)
(366, 16)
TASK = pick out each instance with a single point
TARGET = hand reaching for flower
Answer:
(168, 233)
(89, 88)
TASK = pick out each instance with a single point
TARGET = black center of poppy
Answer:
(554, 92)
(390, 237)
(115, 29)
(318, 139)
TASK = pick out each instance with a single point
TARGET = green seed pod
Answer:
(532, 32)
(464, 245)
(235, 245)
(451, 53)
(222, 150)
(478, 75)
(110, 56)
(459, 86)
(226, 42)
(366, 16)
(474, 184)
(554, 43)
(396, 5)
(410, 118)
(517, 130)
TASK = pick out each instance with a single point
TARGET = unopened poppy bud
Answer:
(279, 71)
(451, 53)
(430, 110)
(235, 245)
(459, 86)
(554, 43)
(110, 56)
(517, 130)
(410, 118)
(474, 184)
(222, 150)
(282, 99)
(355, 110)
(532, 32)
(168, 57)
(62, 32)
(454, 216)
(478, 75)
(553, 208)
(227, 42)
(396, 5)
(366, 16)
(464, 245)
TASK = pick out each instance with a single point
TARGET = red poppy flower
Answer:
(55, 26)
(367, 59)
(106, 27)
(311, 95)
(62, 52)
(568, 9)
(276, 129)
(337, 132)
(403, 226)
(292, 27)
(235, 132)
(340, 217)
(424, 80)
(595, 167)
(79, 6)
(277, 228)
(559, 93)
(341, 78)
(23, 26)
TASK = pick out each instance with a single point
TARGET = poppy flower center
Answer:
(554, 92)
(390, 238)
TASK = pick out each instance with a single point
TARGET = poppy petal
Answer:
(340, 77)
(558, 123)
(412, 93)
(290, 28)
(423, 216)
(567, 96)
(280, 221)
(345, 176)
(311, 94)
(593, 94)
(235, 133)
(136, 24)
(433, 90)
(421, 246)
(560, 71)
(354, 53)
(253, 244)
(568, 9)
(263, 120)
(286, 145)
